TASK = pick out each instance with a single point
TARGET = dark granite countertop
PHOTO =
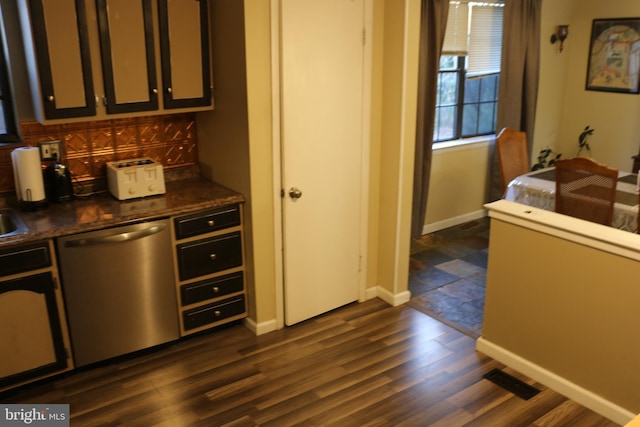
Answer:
(103, 210)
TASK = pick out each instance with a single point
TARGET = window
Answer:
(8, 129)
(467, 100)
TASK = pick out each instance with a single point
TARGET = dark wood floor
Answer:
(366, 364)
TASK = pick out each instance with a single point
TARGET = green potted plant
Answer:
(547, 157)
(582, 140)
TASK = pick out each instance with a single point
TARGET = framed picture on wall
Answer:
(614, 56)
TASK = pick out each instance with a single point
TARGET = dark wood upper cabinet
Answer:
(57, 46)
(128, 55)
(103, 59)
(184, 49)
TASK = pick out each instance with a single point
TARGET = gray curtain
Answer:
(432, 30)
(519, 74)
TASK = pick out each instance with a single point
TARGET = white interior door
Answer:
(322, 73)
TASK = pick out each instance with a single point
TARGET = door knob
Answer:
(295, 193)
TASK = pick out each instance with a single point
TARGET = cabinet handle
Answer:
(155, 90)
(216, 289)
(50, 98)
(217, 313)
(114, 238)
(104, 100)
(169, 90)
(212, 256)
(211, 223)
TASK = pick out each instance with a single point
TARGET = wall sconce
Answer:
(562, 31)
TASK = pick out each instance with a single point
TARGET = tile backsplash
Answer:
(88, 146)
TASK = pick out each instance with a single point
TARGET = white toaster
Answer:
(130, 179)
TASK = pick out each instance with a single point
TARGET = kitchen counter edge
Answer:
(104, 211)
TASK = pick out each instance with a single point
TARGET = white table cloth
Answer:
(538, 189)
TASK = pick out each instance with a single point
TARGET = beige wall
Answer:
(258, 54)
(462, 171)
(553, 74)
(561, 299)
(612, 115)
(398, 109)
(375, 142)
(235, 147)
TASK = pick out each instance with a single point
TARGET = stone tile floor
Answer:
(447, 275)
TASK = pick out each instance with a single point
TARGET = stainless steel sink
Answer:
(10, 223)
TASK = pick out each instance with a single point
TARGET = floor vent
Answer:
(512, 384)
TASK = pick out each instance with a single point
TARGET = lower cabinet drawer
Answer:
(205, 222)
(209, 255)
(212, 288)
(24, 258)
(212, 313)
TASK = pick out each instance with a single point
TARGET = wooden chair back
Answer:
(586, 189)
(513, 155)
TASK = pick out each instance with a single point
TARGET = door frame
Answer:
(277, 151)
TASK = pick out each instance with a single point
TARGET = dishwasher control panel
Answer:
(133, 178)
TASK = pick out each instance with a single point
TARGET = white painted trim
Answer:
(559, 384)
(367, 70)
(393, 299)
(451, 222)
(262, 327)
(371, 293)
(277, 162)
(586, 233)
(461, 144)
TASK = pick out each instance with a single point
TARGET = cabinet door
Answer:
(59, 31)
(30, 331)
(127, 52)
(184, 41)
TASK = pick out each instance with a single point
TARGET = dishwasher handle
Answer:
(115, 238)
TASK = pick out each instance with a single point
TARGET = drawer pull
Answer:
(217, 313)
(216, 289)
(212, 256)
(211, 223)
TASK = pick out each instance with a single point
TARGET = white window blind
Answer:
(485, 40)
(457, 30)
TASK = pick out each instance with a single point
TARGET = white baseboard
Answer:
(262, 327)
(451, 222)
(559, 384)
(393, 299)
(271, 325)
(371, 293)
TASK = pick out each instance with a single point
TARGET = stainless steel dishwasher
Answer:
(119, 290)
